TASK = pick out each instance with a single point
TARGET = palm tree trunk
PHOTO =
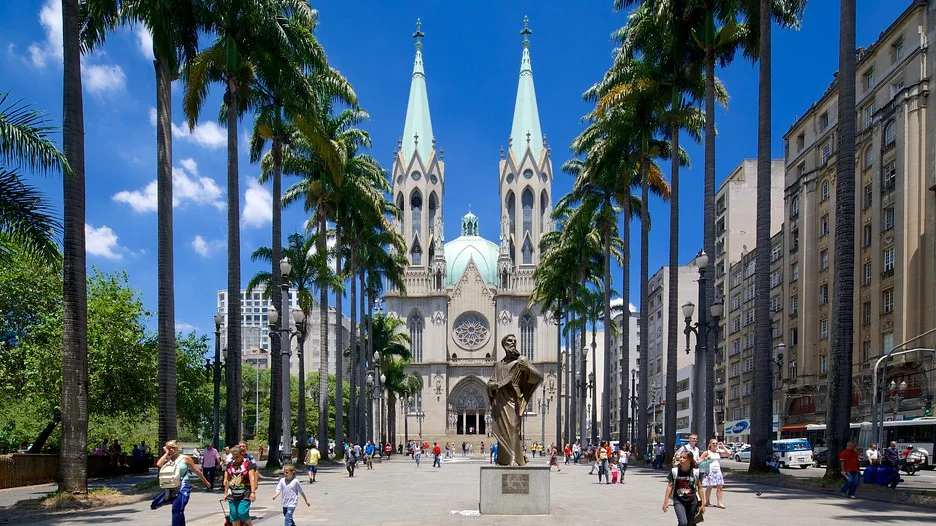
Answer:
(370, 354)
(362, 363)
(353, 369)
(762, 412)
(569, 367)
(73, 463)
(232, 423)
(669, 430)
(584, 369)
(303, 435)
(838, 414)
(708, 219)
(558, 315)
(322, 247)
(574, 374)
(594, 388)
(391, 418)
(643, 399)
(275, 428)
(339, 350)
(606, 373)
(165, 282)
(625, 329)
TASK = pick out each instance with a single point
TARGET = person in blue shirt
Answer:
(369, 455)
(494, 452)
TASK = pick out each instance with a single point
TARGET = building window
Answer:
(868, 79)
(869, 115)
(889, 259)
(794, 304)
(824, 120)
(869, 158)
(868, 235)
(824, 295)
(823, 364)
(794, 272)
(416, 211)
(775, 278)
(749, 317)
(800, 142)
(749, 365)
(867, 273)
(416, 336)
(736, 324)
(747, 388)
(775, 304)
(776, 252)
(794, 336)
(823, 260)
(736, 302)
(866, 351)
(890, 133)
(889, 218)
(824, 329)
(734, 394)
(736, 347)
(527, 325)
(735, 369)
(866, 313)
(824, 224)
(889, 181)
(416, 253)
(887, 298)
(792, 369)
(794, 206)
(897, 50)
(825, 152)
(749, 293)
(794, 243)
(887, 341)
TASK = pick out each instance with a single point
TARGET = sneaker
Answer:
(851, 496)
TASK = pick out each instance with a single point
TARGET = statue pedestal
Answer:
(514, 490)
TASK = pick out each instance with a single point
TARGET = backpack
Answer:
(170, 475)
(695, 478)
(243, 485)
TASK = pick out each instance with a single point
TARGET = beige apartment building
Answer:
(894, 228)
(734, 370)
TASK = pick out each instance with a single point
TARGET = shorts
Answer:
(240, 509)
(313, 470)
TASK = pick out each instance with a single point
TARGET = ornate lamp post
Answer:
(778, 362)
(543, 403)
(371, 396)
(702, 330)
(215, 438)
(409, 407)
(897, 394)
(286, 336)
(633, 403)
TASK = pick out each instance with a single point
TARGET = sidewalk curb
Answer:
(911, 497)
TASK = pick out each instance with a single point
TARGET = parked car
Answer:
(193, 452)
(743, 454)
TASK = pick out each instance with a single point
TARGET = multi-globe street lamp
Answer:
(704, 362)
(897, 392)
(633, 403)
(215, 367)
(286, 336)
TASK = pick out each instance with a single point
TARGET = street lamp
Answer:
(704, 361)
(897, 394)
(409, 406)
(299, 318)
(633, 402)
(778, 361)
(594, 404)
(371, 389)
(487, 422)
(215, 439)
(543, 403)
(286, 335)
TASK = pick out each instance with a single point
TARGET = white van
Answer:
(792, 452)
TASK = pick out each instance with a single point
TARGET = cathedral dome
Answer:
(470, 246)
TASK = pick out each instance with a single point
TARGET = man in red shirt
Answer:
(436, 455)
(849, 459)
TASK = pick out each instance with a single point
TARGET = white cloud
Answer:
(50, 16)
(258, 205)
(187, 187)
(97, 78)
(144, 41)
(102, 242)
(208, 134)
(102, 78)
(205, 248)
(617, 302)
(181, 326)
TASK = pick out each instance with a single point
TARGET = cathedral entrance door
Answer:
(469, 403)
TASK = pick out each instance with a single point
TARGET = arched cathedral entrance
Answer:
(468, 406)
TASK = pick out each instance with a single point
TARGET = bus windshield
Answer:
(798, 445)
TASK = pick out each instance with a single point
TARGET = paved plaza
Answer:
(399, 493)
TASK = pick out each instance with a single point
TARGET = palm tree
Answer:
(280, 95)
(26, 223)
(174, 26)
(73, 464)
(392, 344)
(840, 375)
(248, 32)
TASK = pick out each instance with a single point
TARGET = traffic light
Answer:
(928, 406)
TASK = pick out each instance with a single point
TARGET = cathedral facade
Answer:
(463, 296)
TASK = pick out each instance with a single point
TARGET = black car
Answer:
(822, 458)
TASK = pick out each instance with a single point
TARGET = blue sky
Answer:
(472, 58)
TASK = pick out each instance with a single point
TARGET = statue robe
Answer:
(510, 390)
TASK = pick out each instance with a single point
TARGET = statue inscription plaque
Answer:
(515, 484)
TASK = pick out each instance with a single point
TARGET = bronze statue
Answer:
(510, 390)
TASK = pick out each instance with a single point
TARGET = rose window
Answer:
(471, 331)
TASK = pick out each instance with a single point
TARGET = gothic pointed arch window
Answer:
(416, 206)
(399, 202)
(415, 326)
(416, 253)
(526, 201)
(527, 250)
(510, 204)
(527, 326)
(544, 211)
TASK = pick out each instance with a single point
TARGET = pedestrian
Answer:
(350, 458)
(614, 470)
(685, 489)
(290, 489)
(601, 460)
(210, 461)
(417, 455)
(891, 462)
(849, 462)
(553, 459)
(464, 448)
(567, 451)
(174, 470)
(369, 455)
(691, 447)
(240, 486)
(387, 450)
(873, 455)
(437, 455)
(658, 452)
(623, 458)
(482, 448)
(494, 447)
(712, 476)
(576, 452)
(313, 455)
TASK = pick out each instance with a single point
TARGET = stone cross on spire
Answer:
(418, 35)
(526, 31)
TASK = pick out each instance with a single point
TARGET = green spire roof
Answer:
(526, 124)
(417, 132)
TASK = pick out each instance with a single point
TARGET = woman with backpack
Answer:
(240, 486)
(684, 487)
(174, 469)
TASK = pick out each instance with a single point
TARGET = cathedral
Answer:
(463, 296)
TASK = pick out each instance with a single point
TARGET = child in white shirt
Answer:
(290, 489)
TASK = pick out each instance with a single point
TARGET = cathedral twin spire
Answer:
(417, 131)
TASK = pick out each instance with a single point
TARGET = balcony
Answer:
(454, 359)
(887, 274)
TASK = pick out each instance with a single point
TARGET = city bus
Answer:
(920, 433)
